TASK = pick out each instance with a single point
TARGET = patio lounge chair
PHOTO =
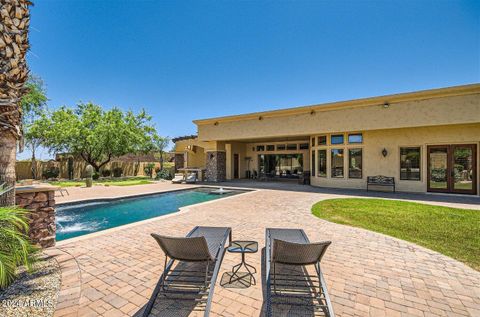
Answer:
(292, 248)
(179, 177)
(191, 178)
(201, 245)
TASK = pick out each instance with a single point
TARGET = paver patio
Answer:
(368, 274)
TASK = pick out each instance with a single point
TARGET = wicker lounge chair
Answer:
(291, 247)
(201, 245)
(179, 177)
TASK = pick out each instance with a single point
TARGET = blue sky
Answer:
(197, 59)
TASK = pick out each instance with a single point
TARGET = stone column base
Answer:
(216, 162)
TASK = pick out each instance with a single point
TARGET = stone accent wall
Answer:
(42, 216)
(216, 166)
(179, 161)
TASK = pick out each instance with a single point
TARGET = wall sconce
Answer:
(312, 112)
(260, 118)
(216, 123)
(386, 105)
(384, 152)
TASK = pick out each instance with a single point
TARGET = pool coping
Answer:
(180, 211)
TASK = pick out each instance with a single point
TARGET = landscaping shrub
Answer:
(15, 249)
(117, 172)
(148, 169)
(106, 173)
(51, 172)
(95, 176)
(163, 174)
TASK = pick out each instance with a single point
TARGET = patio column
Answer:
(216, 166)
(179, 161)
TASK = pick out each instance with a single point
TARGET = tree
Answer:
(94, 134)
(159, 145)
(14, 44)
(34, 104)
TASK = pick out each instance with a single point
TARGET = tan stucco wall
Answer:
(392, 139)
(231, 149)
(430, 112)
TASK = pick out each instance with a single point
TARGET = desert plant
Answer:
(148, 169)
(51, 172)
(15, 248)
(106, 173)
(117, 172)
(163, 174)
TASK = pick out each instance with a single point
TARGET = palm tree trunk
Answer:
(8, 155)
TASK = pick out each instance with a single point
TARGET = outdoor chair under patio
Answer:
(288, 252)
(179, 177)
(202, 245)
(191, 178)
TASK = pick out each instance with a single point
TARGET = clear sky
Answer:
(198, 59)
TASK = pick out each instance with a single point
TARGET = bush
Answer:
(117, 172)
(95, 176)
(15, 249)
(163, 174)
(106, 173)
(148, 169)
(51, 172)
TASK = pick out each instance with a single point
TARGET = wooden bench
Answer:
(381, 180)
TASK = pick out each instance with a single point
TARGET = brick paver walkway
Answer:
(368, 274)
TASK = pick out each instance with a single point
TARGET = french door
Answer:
(452, 168)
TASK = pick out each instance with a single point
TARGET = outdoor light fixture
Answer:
(386, 105)
(260, 118)
(216, 123)
(312, 112)
(384, 152)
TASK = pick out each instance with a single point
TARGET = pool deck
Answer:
(112, 273)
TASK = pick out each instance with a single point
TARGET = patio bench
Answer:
(381, 180)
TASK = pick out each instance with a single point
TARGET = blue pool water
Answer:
(87, 217)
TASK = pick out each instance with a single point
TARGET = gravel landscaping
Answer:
(33, 294)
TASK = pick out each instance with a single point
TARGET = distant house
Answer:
(428, 140)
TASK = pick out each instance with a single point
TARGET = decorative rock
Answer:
(40, 197)
(216, 166)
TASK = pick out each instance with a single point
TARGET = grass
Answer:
(450, 231)
(108, 182)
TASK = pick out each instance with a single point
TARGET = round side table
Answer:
(243, 247)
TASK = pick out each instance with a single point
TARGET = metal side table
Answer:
(243, 247)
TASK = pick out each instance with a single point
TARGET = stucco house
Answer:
(428, 140)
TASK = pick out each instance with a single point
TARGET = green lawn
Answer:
(451, 231)
(108, 182)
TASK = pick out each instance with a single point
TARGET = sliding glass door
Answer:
(281, 165)
(452, 168)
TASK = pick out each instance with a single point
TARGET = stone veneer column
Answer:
(179, 161)
(216, 162)
(41, 204)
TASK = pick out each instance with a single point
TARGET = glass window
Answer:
(336, 139)
(303, 146)
(280, 147)
(281, 165)
(355, 138)
(313, 141)
(355, 163)
(312, 163)
(291, 147)
(270, 147)
(322, 140)
(337, 163)
(322, 163)
(410, 163)
(260, 148)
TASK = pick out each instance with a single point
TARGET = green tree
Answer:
(159, 146)
(33, 104)
(95, 134)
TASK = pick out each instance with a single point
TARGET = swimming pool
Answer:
(77, 219)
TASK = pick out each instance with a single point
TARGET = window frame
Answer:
(354, 134)
(337, 135)
(326, 163)
(419, 163)
(260, 148)
(326, 140)
(331, 163)
(361, 162)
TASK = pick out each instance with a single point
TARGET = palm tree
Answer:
(14, 25)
